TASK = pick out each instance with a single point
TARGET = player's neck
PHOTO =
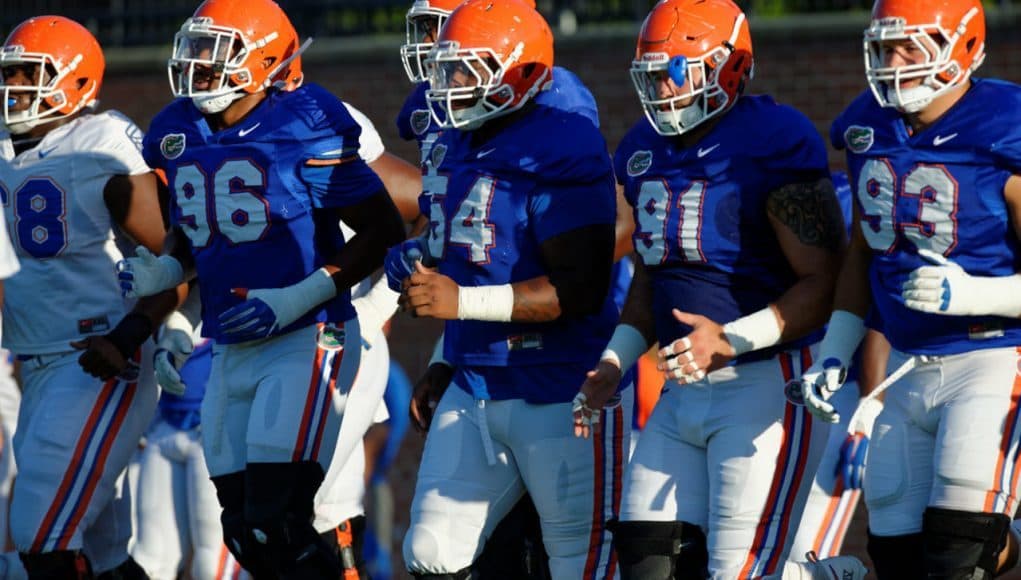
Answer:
(925, 118)
(236, 112)
(25, 141)
(492, 128)
(691, 138)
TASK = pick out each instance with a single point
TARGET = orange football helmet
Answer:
(492, 57)
(70, 69)
(235, 47)
(423, 21)
(951, 34)
(705, 48)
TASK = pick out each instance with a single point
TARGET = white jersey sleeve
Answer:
(9, 264)
(116, 143)
(370, 143)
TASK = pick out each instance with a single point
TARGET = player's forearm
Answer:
(853, 292)
(378, 226)
(535, 300)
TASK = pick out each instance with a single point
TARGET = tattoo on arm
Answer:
(811, 211)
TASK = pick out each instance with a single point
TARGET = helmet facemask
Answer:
(701, 96)
(422, 28)
(938, 73)
(46, 98)
(467, 85)
(205, 52)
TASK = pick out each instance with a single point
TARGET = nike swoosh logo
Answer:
(941, 139)
(484, 153)
(244, 132)
(703, 152)
(43, 154)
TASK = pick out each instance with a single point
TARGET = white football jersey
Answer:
(63, 233)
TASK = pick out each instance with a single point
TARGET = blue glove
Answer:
(266, 311)
(851, 465)
(400, 261)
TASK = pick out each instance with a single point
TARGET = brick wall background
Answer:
(813, 63)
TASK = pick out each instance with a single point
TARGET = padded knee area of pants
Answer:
(459, 575)
(128, 570)
(648, 550)
(962, 545)
(59, 565)
(273, 489)
(897, 557)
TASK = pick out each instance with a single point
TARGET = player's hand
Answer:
(702, 351)
(102, 359)
(944, 288)
(172, 350)
(817, 385)
(427, 394)
(599, 387)
(429, 293)
(399, 263)
(147, 274)
(851, 464)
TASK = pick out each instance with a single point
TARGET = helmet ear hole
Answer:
(82, 82)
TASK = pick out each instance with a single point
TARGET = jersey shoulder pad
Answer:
(322, 123)
(576, 152)
(113, 140)
(415, 119)
(999, 108)
(852, 129)
(166, 139)
(569, 93)
(635, 153)
(784, 137)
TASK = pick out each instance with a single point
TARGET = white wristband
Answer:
(1001, 295)
(755, 331)
(492, 303)
(625, 346)
(844, 333)
(437, 357)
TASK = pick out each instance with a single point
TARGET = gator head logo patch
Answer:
(639, 163)
(420, 121)
(172, 145)
(439, 151)
(859, 139)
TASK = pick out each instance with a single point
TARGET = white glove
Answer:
(173, 348)
(266, 311)
(947, 289)
(829, 372)
(148, 274)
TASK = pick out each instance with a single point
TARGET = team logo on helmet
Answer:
(420, 121)
(439, 151)
(639, 163)
(172, 145)
(859, 139)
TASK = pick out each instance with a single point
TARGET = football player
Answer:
(522, 233)
(934, 157)
(261, 169)
(69, 179)
(738, 247)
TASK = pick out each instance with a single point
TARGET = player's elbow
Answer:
(389, 229)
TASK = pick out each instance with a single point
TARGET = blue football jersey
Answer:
(245, 195)
(182, 411)
(567, 93)
(490, 208)
(942, 190)
(701, 226)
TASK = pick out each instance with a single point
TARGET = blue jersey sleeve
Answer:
(797, 151)
(414, 119)
(1006, 149)
(569, 94)
(334, 173)
(562, 208)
